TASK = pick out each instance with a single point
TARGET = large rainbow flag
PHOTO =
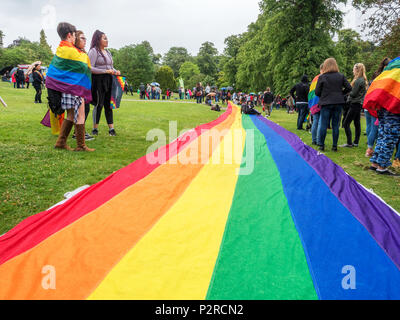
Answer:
(261, 216)
(384, 92)
(70, 72)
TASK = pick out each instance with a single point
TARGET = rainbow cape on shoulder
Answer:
(384, 92)
(70, 72)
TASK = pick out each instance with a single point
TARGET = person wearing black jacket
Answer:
(37, 82)
(355, 100)
(267, 100)
(301, 89)
(20, 78)
(331, 88)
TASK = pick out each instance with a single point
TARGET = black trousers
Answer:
(354, 114)
(101, 92)
(38, 96)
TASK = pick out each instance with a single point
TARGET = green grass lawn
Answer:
(34, 176)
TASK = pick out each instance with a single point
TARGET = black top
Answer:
(302, 89)
(331, 88)
(37, 78)
(268, 97)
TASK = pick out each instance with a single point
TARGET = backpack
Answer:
(54, 98)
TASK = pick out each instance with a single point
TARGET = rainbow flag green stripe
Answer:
(71, 66)
(253, 259)
(283, 223)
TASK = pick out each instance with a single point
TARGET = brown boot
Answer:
(396, 164)
(63, 136)
(80, 138)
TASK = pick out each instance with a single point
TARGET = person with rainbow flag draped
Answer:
(315, 109)
(383, 101)
(69, 74)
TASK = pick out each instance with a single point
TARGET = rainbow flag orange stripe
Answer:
(384, 92)
(260, 216)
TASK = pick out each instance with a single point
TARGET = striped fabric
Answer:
(70, 72)
(384, 92)
(262, 217)
(312, 98)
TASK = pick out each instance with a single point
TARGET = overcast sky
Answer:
(164, 23)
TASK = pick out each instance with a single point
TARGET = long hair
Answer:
(330, 65)
(78, 33)
(96, 39)
(382, 66)
(360, 73)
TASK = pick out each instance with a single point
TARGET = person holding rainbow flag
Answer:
(70, 74)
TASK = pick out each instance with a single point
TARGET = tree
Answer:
(349, 48)
(165, 77)
(230, 63)
(383, 23)
(175, 57)
(45, 53)
(188, 70)
(1, 39)
(154, 57)
(289, 39)
(207, 59)
(135, 63)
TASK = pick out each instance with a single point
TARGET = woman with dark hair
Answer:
(102, 71)
(37, 82)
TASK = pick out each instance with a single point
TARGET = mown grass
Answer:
(34, 176)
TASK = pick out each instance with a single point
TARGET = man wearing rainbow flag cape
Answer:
(383, 101)
(70, 74)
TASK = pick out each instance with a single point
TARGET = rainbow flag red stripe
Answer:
(70, 72)
(384, 92)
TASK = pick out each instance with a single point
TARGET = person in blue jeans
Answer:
(331, 88)
(314, 128)
(372, 133)
(301, 97)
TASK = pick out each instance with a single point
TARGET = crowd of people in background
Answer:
(339, 102)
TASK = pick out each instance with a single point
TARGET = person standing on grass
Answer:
(37, 82)
(102, 72)
(372, 127)
(381, 100)
(301, 89)
(331, 88)
(315, 109)
(70, 59)
(268, 100)
(356, 99)
(80, 43)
